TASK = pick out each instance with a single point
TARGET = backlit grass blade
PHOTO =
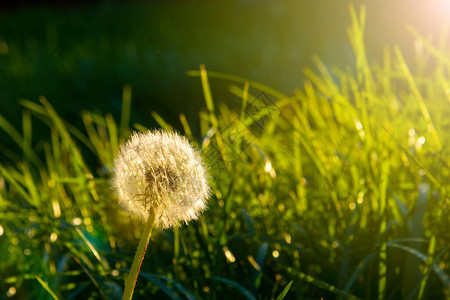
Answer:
(91, 277)
(415, 159)
(412, 275)
(161, 121)
(239, 79)
(95, 139)
(257, 271)
(103, 262)
(13, 181)
(126, 110)
(27, 132)
(382, 267)
(140, 127)
(423, 108)
(285, 291)
(321, 284)
(445, 279)
(30, 184)
(302, 204)
(113, 134)
(78, 160)
(429, 46)
(42, 114)
(20, 141)
(186, 127)
(428, 265)
(46, 287)
(212, 116)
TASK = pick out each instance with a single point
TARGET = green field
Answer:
(338, 190)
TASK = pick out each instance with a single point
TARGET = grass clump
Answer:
(340, 190)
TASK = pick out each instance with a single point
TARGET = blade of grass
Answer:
(113, 134)
(20, 141)
(285, 291)
(11, 180)
(99, 144)
(104, 263)
(161, 121)
(168, 291)
(321, 284)
(27, 133)
(235, 285)
(46, 287)
(59, 125)
(258, 264)
(382, 267)
(423, 108)
(212, 116)
(41, 113)
(432, 49)
(359, 269)
(428, 266)
(126, 110)
(187, 128)
(416, 160)
(435, 267)
(30, 184)
(94, 281)
(242, 80)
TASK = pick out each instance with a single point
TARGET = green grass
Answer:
(338, 191)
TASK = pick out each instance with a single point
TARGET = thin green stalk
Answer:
(139, 257)
(385, 169)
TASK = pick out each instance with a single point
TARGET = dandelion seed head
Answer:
(160, 172)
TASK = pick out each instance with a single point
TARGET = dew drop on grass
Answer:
(53, 237)
(287, 237)
(360, 197)
(268, 166)
(230, 257)
(56, 208)
(76, 221)
(30, 233)
(11, 291)
(420, 142)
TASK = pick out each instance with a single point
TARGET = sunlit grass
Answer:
(340, 190)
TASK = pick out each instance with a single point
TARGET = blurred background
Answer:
(80, 54)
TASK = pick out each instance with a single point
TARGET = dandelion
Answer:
(160, 179)
(161, 172)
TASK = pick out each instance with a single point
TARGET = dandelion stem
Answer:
(139, 257)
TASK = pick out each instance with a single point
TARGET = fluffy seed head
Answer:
(160, 172)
